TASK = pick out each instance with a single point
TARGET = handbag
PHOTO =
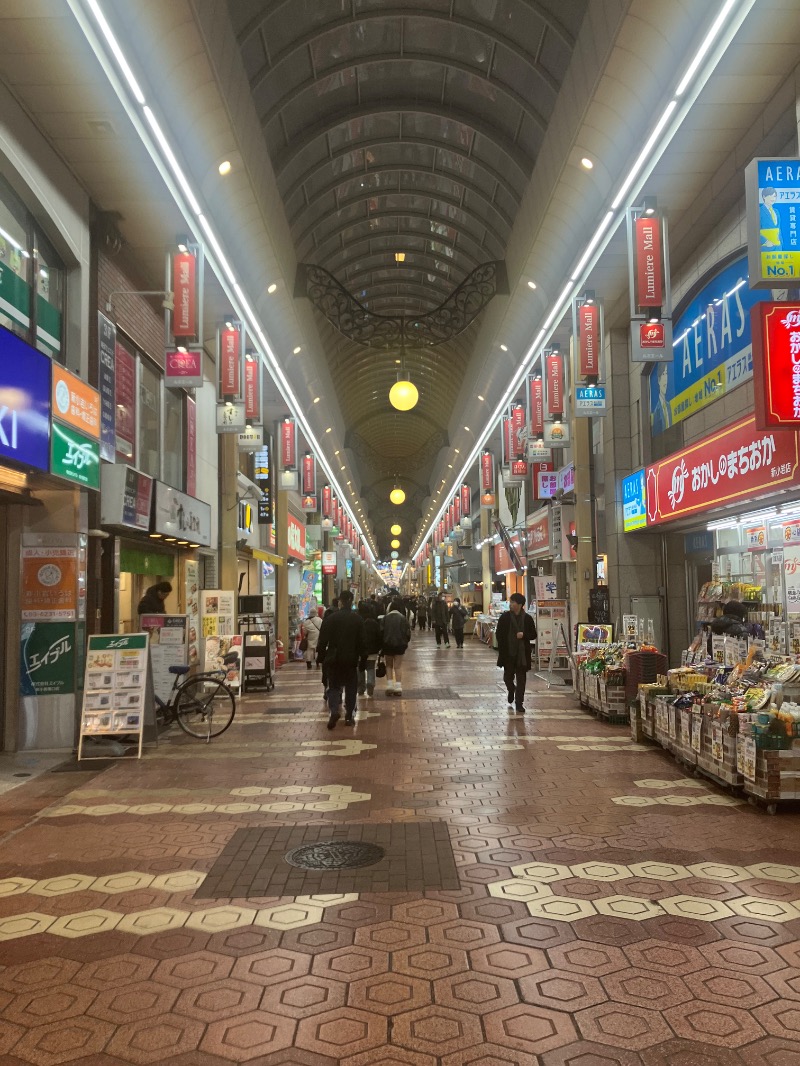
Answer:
(380, 667)
(304, 644)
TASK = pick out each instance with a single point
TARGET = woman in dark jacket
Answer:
(396, 635)
(372, 645)
(153, 600)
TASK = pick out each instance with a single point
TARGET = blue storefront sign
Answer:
(699, 543)
(634, 501)
(773, 221)
(24, 403)
(712, 349)
(590, 400)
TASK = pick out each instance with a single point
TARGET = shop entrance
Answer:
(138, 570)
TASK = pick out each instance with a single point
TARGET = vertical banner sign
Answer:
(487, 472)
(775, 329)
(457, 510)
(309, 475)
(252, 392)
(647, 251)
(517, 428)
(537, 406)
(555, 384)
(288, 444)
(508, 447)
(191, 446)
(441, 530)
(466, 501)
(589, 340)
(230, 358)
(326, 501)
(184, 287)
(106, 343)
(125, 401)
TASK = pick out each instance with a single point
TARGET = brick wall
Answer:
(140, 317)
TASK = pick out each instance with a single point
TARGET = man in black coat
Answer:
(516, 632)
(340, 646)
(439, 619)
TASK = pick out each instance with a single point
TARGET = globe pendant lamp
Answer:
(397, 495)
(395, 530)
(395, 543)
(403, 395)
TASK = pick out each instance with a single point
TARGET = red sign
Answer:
(326, 501)
(775, 330)
(537, 534)
(184, 288)
(447, 523)
(296, 541)
(647, 251)
(252, 393)
(487, 472)
(466, 501)
(288, 444)
(191, 446)
(125, 398)
(555, 384)
(230, 359)
(739, 462)
(589, 340)
(537, 407)
(441, 530)
(502, 559)
(309, 475)
(652, 335)
(517, 427)
(457, 509)
(508, 447)
(519, 468)
(541, 466)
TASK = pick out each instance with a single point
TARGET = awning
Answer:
(267, 557)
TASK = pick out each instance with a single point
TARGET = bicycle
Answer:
(195, 702)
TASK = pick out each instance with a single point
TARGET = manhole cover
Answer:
(335, 855)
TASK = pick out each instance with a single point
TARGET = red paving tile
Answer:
(487, 974)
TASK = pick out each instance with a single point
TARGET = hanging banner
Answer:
(546, 484)
(230, 359)
(457, 510)
(536, 413)
(541, 466)
(555, 384)
(466, 501)
(648, 259)
(773, 211)
(191, 446)
(125, 403)
(590, 400)
(590, 339)
(738, 462)
(252, 390)
(326, 501)
(517, 430)
(487, 472)
(775, 329)
(184, 287)
(309, 474)
(106, 342)
(288, 444)
(183, 369)
(508, 450)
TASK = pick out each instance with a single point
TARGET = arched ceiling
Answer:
(402, 128)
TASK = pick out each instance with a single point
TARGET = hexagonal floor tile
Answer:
(341, 1032)
(194, 969)
(271, 967)
(116, 884)
(540, 933)
(248, 1036)
(659, 871)
(720, 1024)
(425, 912)
(41, 973)
(15, 886)
(148, 922)
(780, 1018)
(693, 1053)
(700, 910)
(28, 924)
(57, 1003)
(545, 872)
(601, 871)
(155, 1039)
(508, 960)
(462, 934)
(561, 908)
(85, 923)
(289, 916)
(390, 936)
(742, 958)
(142, 999)
(477, 993)
(584, 957)
(61, 886)
(389, 993)
(774, 871)
(586, 1053)
(664, 957)
(631, 908)
(622, 1025)
(770, 910)
(487, 1055)
(743, 990)
(385, 1056)
(562, 990)
(645, 988)
(533, 1030)
(430, 961)
(437, 1030)
(520, 889)
(351, 963)
(218, 1000)
(60, 1042)
(221, 919)
(715, 871)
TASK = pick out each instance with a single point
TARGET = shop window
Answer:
(15, 264)
(173, 438)
(49, 298)
(149, 421)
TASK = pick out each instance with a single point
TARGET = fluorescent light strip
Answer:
(635, 170)
(244, 311)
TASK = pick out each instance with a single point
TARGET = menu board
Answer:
(218, 612)
(192, 582)
(118, 690)
(216, 650)
(168, 647)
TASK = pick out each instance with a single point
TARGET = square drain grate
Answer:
(416, 856)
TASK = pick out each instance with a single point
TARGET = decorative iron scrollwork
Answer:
(356, 322)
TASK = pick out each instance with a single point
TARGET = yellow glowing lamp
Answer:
(403, 395)
(395, 543)
(397, 496)
(395, 530)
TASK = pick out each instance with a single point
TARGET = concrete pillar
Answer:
(282, 572)
(584, 516)
(228, 510)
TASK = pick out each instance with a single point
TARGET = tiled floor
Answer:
(609, 911)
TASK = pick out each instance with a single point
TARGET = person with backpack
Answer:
(396, 636)
(458, 615)
(372, 646)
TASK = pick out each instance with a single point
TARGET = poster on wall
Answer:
(216, 650)
(191, 577)
(48, 659)
(217, 612)
(168, 647)
(49, 584)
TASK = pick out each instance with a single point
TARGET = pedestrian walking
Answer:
(340, 648)
(396, 635)
(310, 635)
(372, 646)
(422, 613)
(516, 633)
(458, 616)
(439, 618)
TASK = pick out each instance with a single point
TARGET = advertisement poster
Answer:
(48, 659)
(168, 647)
(118, 693)
(548, 617)
(49, 584)
(634, 501)
(125, 403)
(217, 612)
(216, 650)
(589, 633)
(192, 600)
(75, 402)
(791, 577)
(773, 213)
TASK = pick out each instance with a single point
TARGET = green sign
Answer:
(15, 294)
(117, 641)
(48, 659)
(74, 456)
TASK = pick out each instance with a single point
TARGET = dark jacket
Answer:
(503, 626)
(439, 613)
(372, 636)
(458, 615)
(151, 603)
(396, 632)
(341, 638)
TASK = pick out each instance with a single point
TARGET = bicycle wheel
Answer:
(205, 707)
